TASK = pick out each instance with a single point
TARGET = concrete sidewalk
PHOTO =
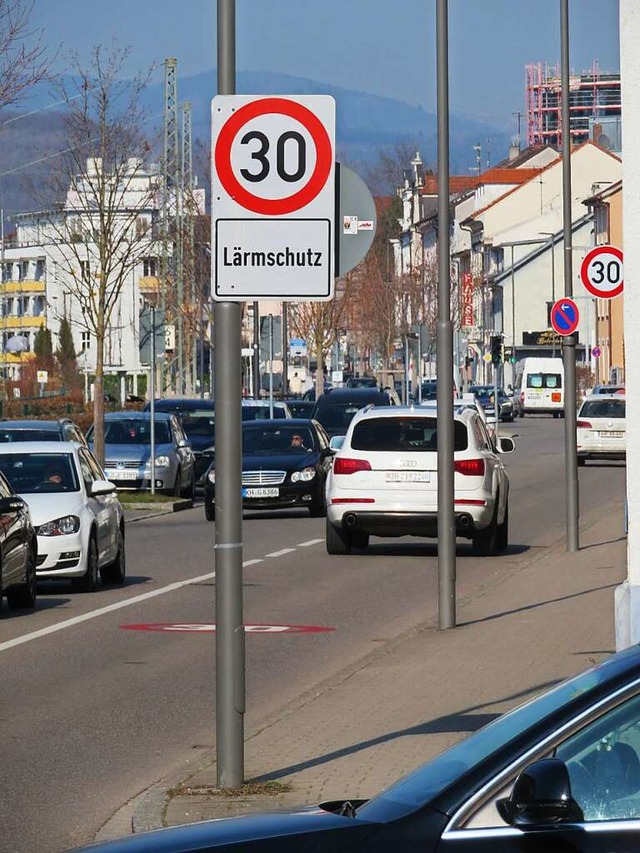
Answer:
(549, 617)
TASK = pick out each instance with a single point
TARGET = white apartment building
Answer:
(51, 268)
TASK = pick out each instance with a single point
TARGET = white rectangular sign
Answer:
(273, 197)
(266, 259)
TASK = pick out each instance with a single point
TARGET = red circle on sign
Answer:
(584, 272)
(319, 176)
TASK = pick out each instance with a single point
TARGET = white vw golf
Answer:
(75, 512)
(384, 480)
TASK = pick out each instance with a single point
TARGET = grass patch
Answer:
(250, 787)
(126, 497)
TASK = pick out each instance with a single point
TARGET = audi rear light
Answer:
(584, 424)
(344, 465)
(470, 467)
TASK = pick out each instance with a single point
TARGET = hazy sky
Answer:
(378, 46)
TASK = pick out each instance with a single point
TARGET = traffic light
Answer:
(496, 349)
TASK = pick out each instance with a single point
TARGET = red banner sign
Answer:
(467, 300)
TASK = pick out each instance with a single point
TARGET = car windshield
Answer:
(198, 423)
(404, 433)
(136, 431)
(445, 769)
(255, 413)
(272, 439)
(30, 473)
(486, 391)
(29, 435)
(301, 408)
(337, 416)
(603, 409)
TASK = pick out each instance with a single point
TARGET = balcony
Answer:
(26, 286)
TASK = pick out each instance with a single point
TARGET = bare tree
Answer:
(320, 323)
(103, 229)
(23, 59)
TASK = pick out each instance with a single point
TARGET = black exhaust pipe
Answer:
(350, 519)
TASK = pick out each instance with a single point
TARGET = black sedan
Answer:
(559, 773)
(18, 549)
(485, 395)
(284, 465)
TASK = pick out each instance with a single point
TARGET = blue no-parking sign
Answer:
(565, 316)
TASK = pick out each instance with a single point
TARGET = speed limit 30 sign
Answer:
(602, 272)
(273, 197)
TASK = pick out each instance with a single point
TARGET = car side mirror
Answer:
(336, 442)
(505, 444)
(541, 795)
(102, 487)
(183, 443)
(14, 503)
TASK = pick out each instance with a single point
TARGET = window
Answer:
(404, 433)
(149, 266)
(544, 380)
(85, 340)
(85, 271)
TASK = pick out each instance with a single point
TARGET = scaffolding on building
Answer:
(593, 95)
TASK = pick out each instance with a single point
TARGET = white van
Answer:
(540, 386)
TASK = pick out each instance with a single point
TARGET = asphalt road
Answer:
(94, 711)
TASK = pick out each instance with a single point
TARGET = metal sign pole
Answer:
(444, 354)
(569, 342)
(152, 403)
(230, 641)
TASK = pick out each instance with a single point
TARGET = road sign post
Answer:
(273, 197)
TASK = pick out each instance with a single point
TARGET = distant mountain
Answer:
(366, 126)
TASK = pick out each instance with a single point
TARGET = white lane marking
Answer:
(136, 599)
(310, 542)
(109, 608)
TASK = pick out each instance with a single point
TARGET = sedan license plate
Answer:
(610, 434)
(408, 476)
(120, 475)
(261, 493)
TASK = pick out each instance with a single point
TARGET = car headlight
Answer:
(303, 476)
(60, 526)
(211, 476)
(162, 462)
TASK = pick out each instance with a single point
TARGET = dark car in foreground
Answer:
(285, 463)
(559, 773)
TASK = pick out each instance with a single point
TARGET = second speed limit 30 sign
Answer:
(273, 197)
(602, 272)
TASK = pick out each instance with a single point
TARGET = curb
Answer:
(153, 509)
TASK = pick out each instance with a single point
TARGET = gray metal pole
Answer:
(256, 350)
(230, 640)
(285, 352)
(406, 370)
(271, 366)
(568, 342)
(444, 338)
(152, 403)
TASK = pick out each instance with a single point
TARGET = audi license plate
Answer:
(408, 476)
(261, 493)
(610, 434)
(120, 475)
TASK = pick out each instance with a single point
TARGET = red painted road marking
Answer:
(209, 628)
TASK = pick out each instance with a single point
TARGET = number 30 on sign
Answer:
(602, 272)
